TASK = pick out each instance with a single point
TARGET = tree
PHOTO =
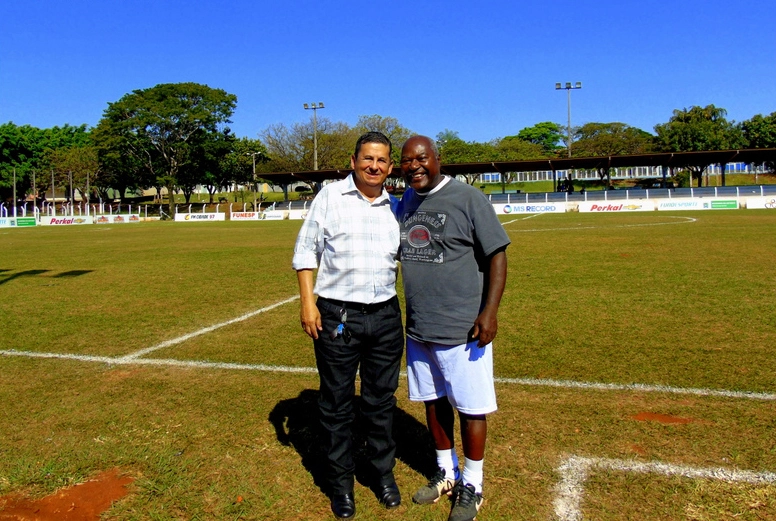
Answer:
(162, 130)
(291, 149)
(76, 166)
(610, 139)
(26, 150)
(546, 134)
(390, 127)
(698, 129)
(445, 136)
(760, 132)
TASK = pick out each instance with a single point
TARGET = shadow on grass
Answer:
(8, 277)
(296, 422)
(27, 273)
(72, 273)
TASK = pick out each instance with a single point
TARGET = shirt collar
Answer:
(348, 185)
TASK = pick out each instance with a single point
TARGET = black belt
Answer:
(358, 307)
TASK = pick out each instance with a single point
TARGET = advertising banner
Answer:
(47, 220)
(698, 204)
(117, 219)
(761, 203)
(506, 209)
(274, 215)
(7, 222)
(619, 206)
(199, 217)
(244, 216)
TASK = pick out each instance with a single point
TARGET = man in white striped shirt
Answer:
(352, 237)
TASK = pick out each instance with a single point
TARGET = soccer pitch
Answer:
(635, 363)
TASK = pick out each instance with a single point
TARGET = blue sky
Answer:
(485, 69)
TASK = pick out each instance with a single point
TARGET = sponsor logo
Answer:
(606, 208)
(134, 218)
(770, 204)
(724, 205)
(538, 208)
(102, 219)
(65, 220)
(418, 236)
(507, 209)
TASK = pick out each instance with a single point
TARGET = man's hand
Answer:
(485, 327)
(311, 320)
(309, 314)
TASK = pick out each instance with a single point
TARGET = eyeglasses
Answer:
(341, 329)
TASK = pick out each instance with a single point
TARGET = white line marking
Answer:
(570, 384)
(522, 219)
(163, 362)
(686, 221)
(202, 331)
(574, 471)
(533, 382)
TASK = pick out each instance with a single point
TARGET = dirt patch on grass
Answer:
(82, 502)
(662, 418)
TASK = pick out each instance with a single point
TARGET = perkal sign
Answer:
(66, 221)
(624, 206)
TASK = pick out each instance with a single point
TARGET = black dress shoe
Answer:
(343, 505)
(388, 495)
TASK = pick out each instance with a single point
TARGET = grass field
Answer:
(636, 358)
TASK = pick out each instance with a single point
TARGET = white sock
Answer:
(448, 460)
(472, 473)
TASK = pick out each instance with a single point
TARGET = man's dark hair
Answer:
(373, 137)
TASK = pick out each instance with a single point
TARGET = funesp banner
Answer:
(244, 216)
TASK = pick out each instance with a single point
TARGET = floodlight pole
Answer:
(255, 184)
(568, 88)
(315, 108)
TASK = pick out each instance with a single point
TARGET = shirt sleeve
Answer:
(309, 242)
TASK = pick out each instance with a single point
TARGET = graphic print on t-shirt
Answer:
(421, 234)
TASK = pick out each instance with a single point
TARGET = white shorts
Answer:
(463, 373)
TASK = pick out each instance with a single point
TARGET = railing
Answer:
(650, 193)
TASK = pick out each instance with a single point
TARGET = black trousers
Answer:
(376, 345)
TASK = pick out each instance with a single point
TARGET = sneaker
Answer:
(438, 486)
(466, 503)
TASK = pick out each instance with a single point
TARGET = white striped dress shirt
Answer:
(352, 242)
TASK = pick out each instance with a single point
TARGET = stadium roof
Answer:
(669, 159)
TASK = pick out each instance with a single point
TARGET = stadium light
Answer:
(569, 88)
(315, 108)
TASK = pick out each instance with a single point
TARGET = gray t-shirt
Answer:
(446, 237)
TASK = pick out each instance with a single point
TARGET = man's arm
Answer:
(309, 314)
(486, 324)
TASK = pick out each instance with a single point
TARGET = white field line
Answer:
(168, 343)
(522, 219)
(574, 471)
(598, 386)
(685, 220)
(531, 382)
